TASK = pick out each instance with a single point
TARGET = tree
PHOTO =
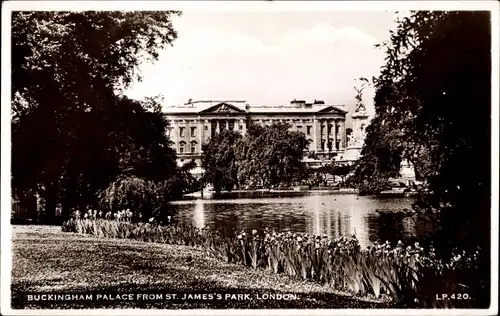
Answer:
(81, 55)
(267, 155)
(143, 197)
(437, 66)
(433, 108)
(219, 160)
(380, 157)
(272, 155)
(188, 182)
(68, 69)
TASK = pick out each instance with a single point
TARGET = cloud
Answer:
(323, 33)
(207, 61)
(207, 42)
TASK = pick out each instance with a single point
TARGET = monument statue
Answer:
(360, 107)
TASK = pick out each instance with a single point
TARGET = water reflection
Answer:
(199, 214)
(328, 214)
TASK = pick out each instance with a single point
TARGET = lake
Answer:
(318, 213)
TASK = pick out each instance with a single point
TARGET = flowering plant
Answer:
(407, 273)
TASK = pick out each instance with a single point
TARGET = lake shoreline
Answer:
(386, 193)
(211, 193)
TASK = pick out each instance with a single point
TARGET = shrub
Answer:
(373, 186)
(145, 198)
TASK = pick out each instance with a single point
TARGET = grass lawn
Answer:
(46, 260)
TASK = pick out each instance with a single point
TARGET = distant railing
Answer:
(184, 155)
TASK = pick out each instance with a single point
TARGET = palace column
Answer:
(324, 134)
(217, 128)
(328, 134)
(317, 134)
(227, 125)
(342, 134)
(201, 130)
(333, 136)
(243, 127)
(208, 134)
(336, 129)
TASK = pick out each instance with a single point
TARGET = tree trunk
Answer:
(30, 203)
(50, 205)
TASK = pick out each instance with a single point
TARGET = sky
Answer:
(268, 58)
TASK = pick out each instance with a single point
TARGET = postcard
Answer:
(233, 158)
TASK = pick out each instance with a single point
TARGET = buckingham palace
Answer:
(192, 124)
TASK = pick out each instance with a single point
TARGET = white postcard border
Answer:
(232, 6)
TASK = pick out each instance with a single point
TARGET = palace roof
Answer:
(296, 107)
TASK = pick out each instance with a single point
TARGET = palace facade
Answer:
(191, 125)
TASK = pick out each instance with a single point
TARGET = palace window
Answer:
(299, 128)
(309, 130)
(182, 131)
(322, 145)
(193, 147)
(193, 131)
(206, 127)
(241, 127)
(182, 145)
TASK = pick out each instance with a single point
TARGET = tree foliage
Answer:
(219, 160)
(432, 107)
(82, 56)
(73, 133)
(267, 156)
(137, 194)
(272, 155)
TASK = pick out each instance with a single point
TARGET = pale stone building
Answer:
(191, 125)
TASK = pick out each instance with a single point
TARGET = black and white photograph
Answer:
(233, 158)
